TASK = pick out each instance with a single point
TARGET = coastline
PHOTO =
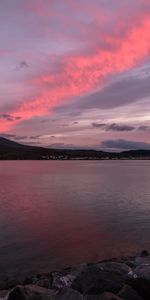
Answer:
(117, 278)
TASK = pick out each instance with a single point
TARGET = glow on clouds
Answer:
(99, 53)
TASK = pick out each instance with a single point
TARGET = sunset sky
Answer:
(75, 73)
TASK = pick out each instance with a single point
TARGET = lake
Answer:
(60, 213)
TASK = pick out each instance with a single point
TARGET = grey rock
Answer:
(44, 283)
(30, 292)
(3, 293)
(145, 260)
(127, 293)
(121, 268)
(142, 270)
(34, 280)
(104, 296)
(144, 253)
(30, 280)
(8, 282)
(18, 293)
(92, 297)
(142, 286)
(66, 278)
(68, 294)
(110, 296)
(94, 280)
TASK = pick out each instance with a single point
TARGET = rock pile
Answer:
(126, 278)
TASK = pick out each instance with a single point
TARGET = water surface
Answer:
(59, 213)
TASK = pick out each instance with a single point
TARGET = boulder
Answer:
(142, 286)
(94, 280)
(92, 297)
(120, 268)
(142, 271)
(68, 294)
(141, 260)
(43, 280)
(127, 293)
(43, 283)
(66, 277)
(144, 253)
(30, 280)
(8, 282)
(104, 296)
(110, 296)
(3, 293)
(30, 292)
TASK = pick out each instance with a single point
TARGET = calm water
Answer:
(58, 213)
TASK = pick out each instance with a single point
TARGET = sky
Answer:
(75, 74)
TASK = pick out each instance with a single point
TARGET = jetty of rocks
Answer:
(124, 278)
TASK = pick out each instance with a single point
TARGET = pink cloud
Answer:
(79, 74)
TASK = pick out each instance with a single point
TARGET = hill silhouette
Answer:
(13, 150)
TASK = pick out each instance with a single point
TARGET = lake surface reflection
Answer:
(59, 213)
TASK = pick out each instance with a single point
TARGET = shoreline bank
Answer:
(126, 278)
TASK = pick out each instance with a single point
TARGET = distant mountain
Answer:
(6, 144)
(12, 150)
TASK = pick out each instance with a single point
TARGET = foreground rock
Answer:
(68, 293)
(104, 296)
(7, 282)
(141, 286)
(30, 292)
(127, 293)
(96, 280)
(125, 278)
(66, 277)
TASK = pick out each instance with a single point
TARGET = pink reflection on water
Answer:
(55, 214)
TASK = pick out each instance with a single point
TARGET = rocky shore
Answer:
(124, 278)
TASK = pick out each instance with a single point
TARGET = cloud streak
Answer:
(22, 65)
(80, 74)
(9, 118)
(121, 144)
(113, 127)
(83, 56)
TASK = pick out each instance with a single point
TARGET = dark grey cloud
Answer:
(22, 65)
(13, 136)
(33, 143)
(118, 93)
(144, 128)
(61, 146)
(113, 127)
(99, 125)
(35, 137)
(19, 138)
(124, 90)
(67, 146)
(9, 117)
(121, 144)
(7, 135)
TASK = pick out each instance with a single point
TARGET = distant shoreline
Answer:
(10, 150)
(78, 159)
